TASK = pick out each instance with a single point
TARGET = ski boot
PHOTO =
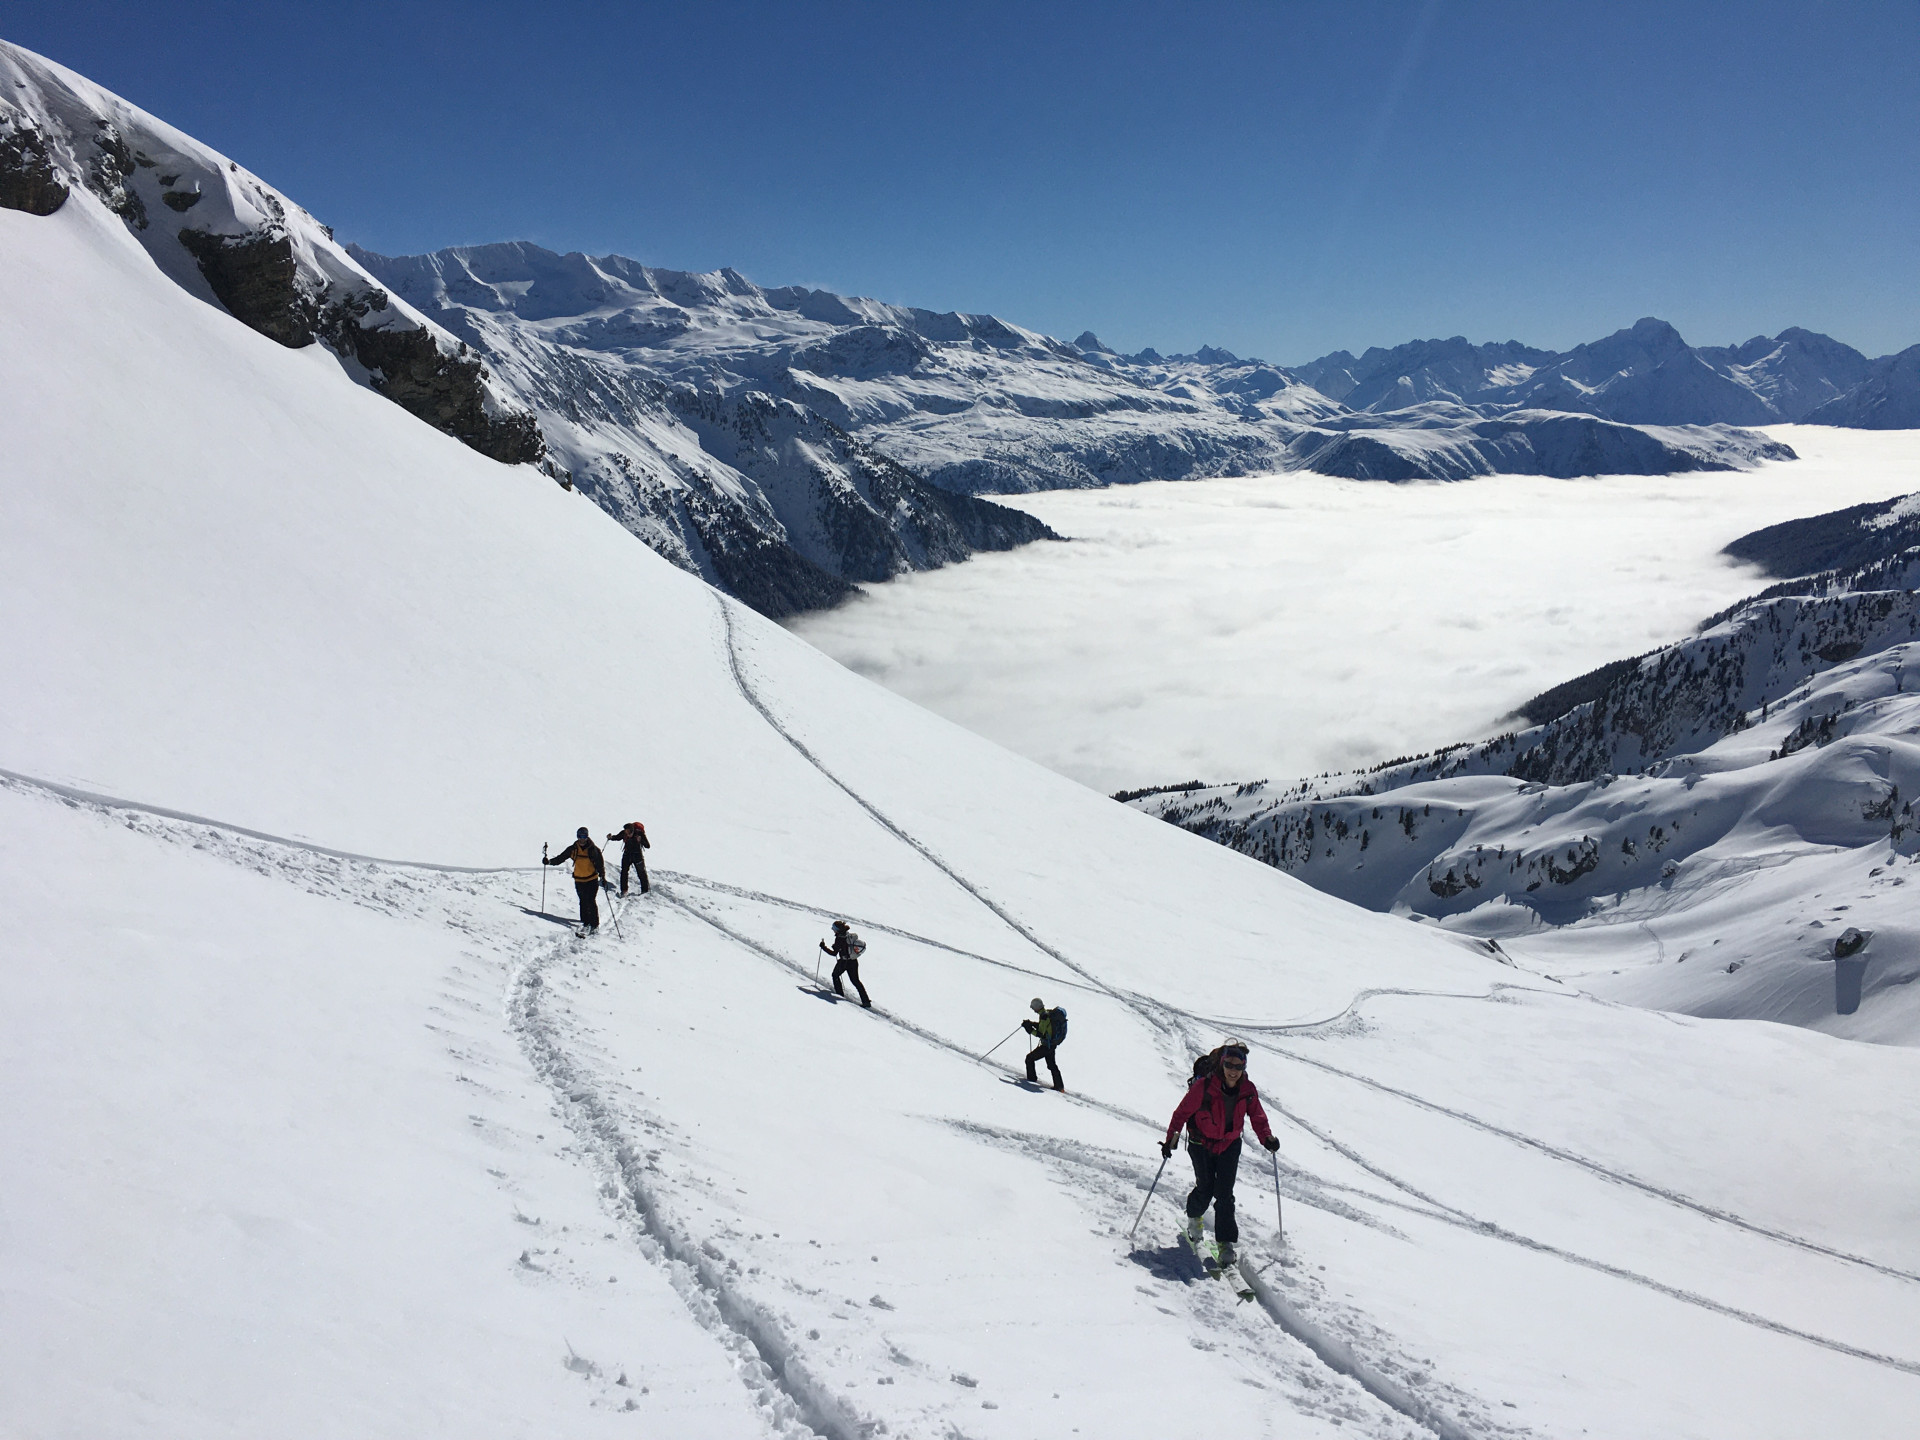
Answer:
(1193, 1231)
(1223, 1255)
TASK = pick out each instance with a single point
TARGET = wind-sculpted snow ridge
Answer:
(1774, 746)
(230, 239)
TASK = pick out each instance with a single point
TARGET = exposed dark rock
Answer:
(444, 390)
(181, 200)
(108, 176)
(256, 278)
(28, 180)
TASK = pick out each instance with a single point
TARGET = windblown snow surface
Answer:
(305, 1143)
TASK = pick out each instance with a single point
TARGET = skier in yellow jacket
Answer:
(589, 874)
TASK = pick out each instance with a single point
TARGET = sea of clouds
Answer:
(1277, 626)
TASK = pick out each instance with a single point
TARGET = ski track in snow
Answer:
(795, 1402)
(1169, 1033)
(1167, 1019)
(798, 1401)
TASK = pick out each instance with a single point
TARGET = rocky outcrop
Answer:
(246, 247)
(256, 277)
(446, 387)
(28, 180)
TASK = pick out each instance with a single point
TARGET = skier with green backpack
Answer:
(1217, 1103)
(1049, 1029)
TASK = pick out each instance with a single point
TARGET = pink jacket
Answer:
(1216, 1115)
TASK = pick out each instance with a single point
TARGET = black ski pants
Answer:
(1213, 1181)
(1044, 1052)
(629, 859)
(850, 969)
(589, 893)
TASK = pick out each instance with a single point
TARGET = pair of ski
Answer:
(1210, 1263)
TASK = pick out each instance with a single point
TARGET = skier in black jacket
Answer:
(846, 950)
(1049, 1029)
(589, 874)
(633, 853)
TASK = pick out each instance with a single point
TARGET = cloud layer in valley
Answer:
(1277, 626)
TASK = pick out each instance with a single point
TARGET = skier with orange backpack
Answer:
(1217, 1103)
(633, 853)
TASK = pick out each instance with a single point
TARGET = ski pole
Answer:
(543, 877)
(1149, 1200)
(1279, 1222)
(1003, 1040)
(612, 909)
(817, 953)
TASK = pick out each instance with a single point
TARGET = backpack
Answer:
(1207, 1064)
(856, 947)
(1058, 1017)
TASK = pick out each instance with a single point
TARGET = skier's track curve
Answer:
(766, 1339)
(1153, 1015)
(624, 1166)
(1172, 1022)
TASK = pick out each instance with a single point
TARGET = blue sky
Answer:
(1282, 179)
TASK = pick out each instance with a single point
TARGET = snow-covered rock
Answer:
(1441, 440)
(227, 237)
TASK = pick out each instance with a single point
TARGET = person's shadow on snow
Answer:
(1174, 1263)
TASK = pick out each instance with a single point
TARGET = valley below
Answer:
(1273, 627)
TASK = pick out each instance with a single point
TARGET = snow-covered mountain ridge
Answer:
(230, 239)
(1645, 374)
(1776, 745)
(785, 444)
(977, 404)
(304, 1142)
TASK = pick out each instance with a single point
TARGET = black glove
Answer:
(1271, 1142)
(1166, 1149)
(1027, 1025)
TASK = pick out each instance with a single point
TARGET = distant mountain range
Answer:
(1643, 375)
(787, 444)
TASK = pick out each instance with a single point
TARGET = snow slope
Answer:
(308, 1143)
(228, 238)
